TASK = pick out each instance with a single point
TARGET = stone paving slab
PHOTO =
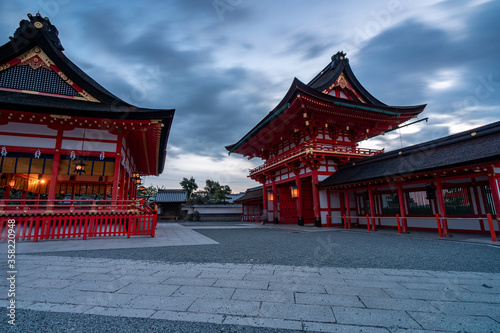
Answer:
(171, 234)
(286, 297)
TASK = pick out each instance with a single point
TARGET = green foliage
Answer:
(213, 193)
(149, 191)
(189, 185)
(217, 193)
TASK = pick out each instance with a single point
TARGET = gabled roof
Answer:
(171, 196)
(36, 44)
(339, 66)
(478, 145)
(36, 77)
(251, 194)
(298, 87)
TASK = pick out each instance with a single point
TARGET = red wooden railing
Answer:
(315, 147)
(76, 219)
(440, 222)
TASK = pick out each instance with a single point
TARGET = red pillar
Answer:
(275, 203)
(6, 193)
(264, 201)
(402, 210)
(442, 208)
(116, 173)
(316, 203)
(300, 216)
(122, 185)
(372, 208)
(55, 170)
(329, 217)
(495, 193)
(347, 208)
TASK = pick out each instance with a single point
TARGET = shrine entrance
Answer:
(287, 205)
(307, 200)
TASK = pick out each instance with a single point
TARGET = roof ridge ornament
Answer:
(27, 29)
(337, 57)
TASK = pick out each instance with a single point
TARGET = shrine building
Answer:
(316, 172)
(64, 139)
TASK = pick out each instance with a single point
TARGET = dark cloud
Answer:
(182, 42)
(307, 44)
(398, 66)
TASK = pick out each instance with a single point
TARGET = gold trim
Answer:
(36, 51)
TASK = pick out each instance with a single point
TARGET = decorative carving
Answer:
(3, 152)
(4, 67)
(38, 153)
(101, 157)
(72, 156)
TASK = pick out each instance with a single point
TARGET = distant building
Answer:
(170, 203)
(251, 205)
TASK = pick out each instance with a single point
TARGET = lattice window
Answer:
(41, 80)
(489, 199)
(419, 204)
(456, 201)
(390, 204)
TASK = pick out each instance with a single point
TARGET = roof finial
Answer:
(338, 57)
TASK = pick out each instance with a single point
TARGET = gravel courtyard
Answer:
(262, 279)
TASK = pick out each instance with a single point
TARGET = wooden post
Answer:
(275, 203)
(439, 226)
(264, 201)
(116, 173)
(55, 171)
(372, 207)
(329, 220)
(300, 217)
(316, 202)
(492, 228)
(495, 193)
(347, 208)
(442, 208)
(402, 209)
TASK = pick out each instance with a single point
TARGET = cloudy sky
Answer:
(224, 64)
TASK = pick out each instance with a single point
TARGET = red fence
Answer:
(402, 223)
(34, 220)
(40, 227)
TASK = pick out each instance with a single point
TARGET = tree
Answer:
(216, 192)
(149, 191)
(189, 185)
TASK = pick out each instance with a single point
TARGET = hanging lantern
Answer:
(12, 182)
(294, 191)
(270, 195)
(138, 181)
(136, 174)
(142, 189)
(80, 168)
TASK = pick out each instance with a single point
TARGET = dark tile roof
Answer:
(40, 32)
(478, 145)
(331, 73)
(171, 196)
(315, 89)
(251, 194)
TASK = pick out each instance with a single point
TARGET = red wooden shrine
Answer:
(316, 127)
(55, 121)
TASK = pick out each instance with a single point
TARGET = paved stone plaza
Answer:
(57, 292)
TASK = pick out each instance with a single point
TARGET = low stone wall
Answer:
(214, 213)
